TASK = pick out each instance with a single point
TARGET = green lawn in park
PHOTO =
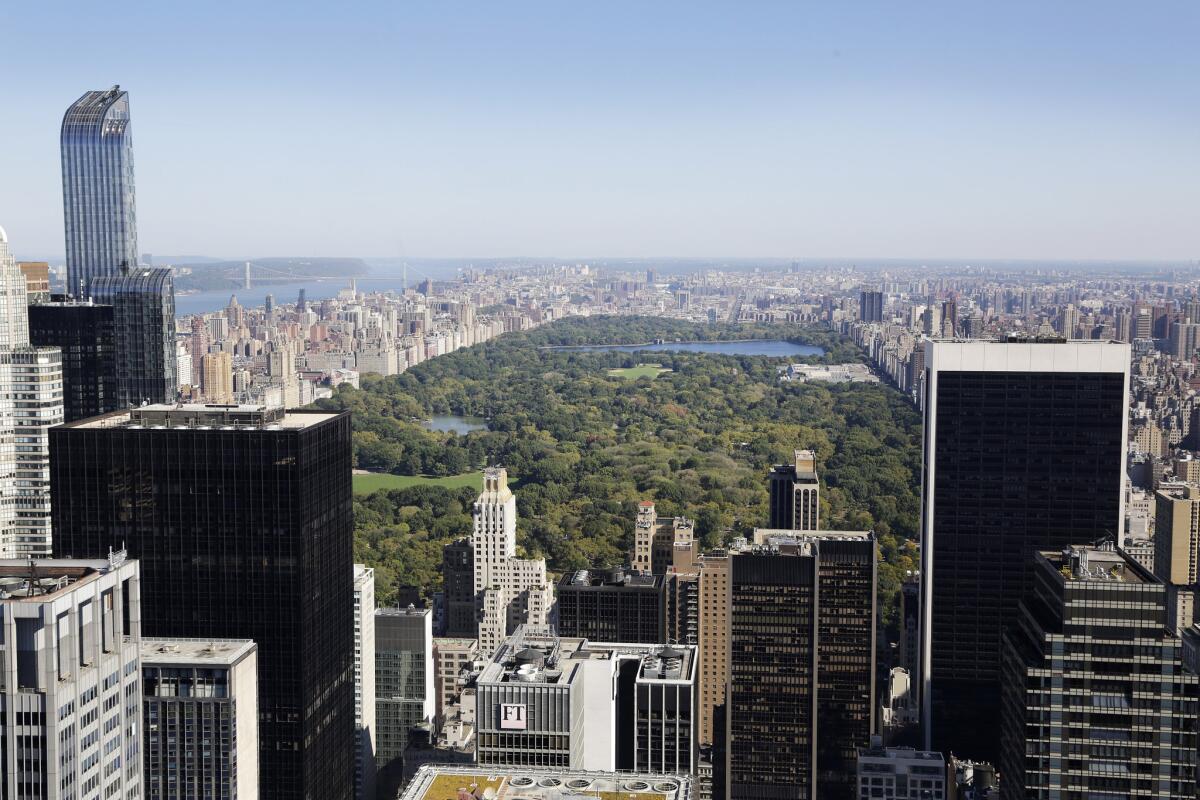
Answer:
(640, 371)
(365, 484)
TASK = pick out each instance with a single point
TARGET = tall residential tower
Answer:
(98, 196)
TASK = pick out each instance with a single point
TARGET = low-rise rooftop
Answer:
(201, 652)
(438, 782)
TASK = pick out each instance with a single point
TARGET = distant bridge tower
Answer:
(247, 281)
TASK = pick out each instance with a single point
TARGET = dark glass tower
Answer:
(846, 621)
(84, 333)
(98, 197)
(870, 306)
(143, 301)
(241, 519)
(612, 606)
(1024, 451)
(771, 705)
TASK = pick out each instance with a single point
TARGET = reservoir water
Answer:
(748, 347)
(447, 423)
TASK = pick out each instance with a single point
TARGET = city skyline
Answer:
(1017, 133)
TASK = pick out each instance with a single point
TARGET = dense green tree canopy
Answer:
(582, 448)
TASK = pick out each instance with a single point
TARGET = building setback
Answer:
(200, 719)
(70, 683)
(242, 519)
(612, 606)
(1024, 449)
(1097, 701)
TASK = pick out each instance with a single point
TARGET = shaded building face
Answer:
(771, 701)
(242, 532)
(1014, 462)
(84, 334)
(143, 303)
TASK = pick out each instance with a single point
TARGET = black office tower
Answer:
(143, 302)
(771, 704)
(846, 635)
(612, 605)
(870, 306)
(1024, 451)
(241, 520)
(83, 331)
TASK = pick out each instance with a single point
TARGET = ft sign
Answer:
(512, 717)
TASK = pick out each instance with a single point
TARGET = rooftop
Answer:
(39, 580)
(534, 655)
(1101, 564)
(196, 651)
(211, 416)
(440, 782)
(610, 578)
(410, 611)
(782, 537)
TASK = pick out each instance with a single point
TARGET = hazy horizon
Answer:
(1017, 132)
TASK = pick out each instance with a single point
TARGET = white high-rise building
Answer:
(31, 400)
(364, 681)
(70, 679)
(509, 591)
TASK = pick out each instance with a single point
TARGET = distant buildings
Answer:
(70, 682)
(870, 306)
(200, 725)
(655, 539)
(364, 682)
(1024, 449)
(458, 589)
(98, 189)
(795, 494)
(612, 606)
(509, 591)
(216, 381)
(242, 521)
(1096, 697)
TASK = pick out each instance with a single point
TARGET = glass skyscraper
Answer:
(143, 302)
(98, 196)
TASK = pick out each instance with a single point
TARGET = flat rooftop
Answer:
(1098, 564)
(438, 782)
(783, 536)
(201, 652)
(612, 578)
(42, 579)
(536, 657)
(206, 416)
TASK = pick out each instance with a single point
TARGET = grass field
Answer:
(365, 484)
(640, 371)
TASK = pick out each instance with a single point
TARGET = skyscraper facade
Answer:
(509, 591)
(98, 196)
(364, 681)
(1024, 450)
(31, 400)
(143, 301)
(242, 519)
(1097, 700)
(83, 331)
(795, 494)
(200, 731)
(70, 682)
(404, 677)
(771, 703)
(870, 306)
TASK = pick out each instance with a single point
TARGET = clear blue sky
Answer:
(857, 129)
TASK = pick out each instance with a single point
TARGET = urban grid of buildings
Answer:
(181, 615)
